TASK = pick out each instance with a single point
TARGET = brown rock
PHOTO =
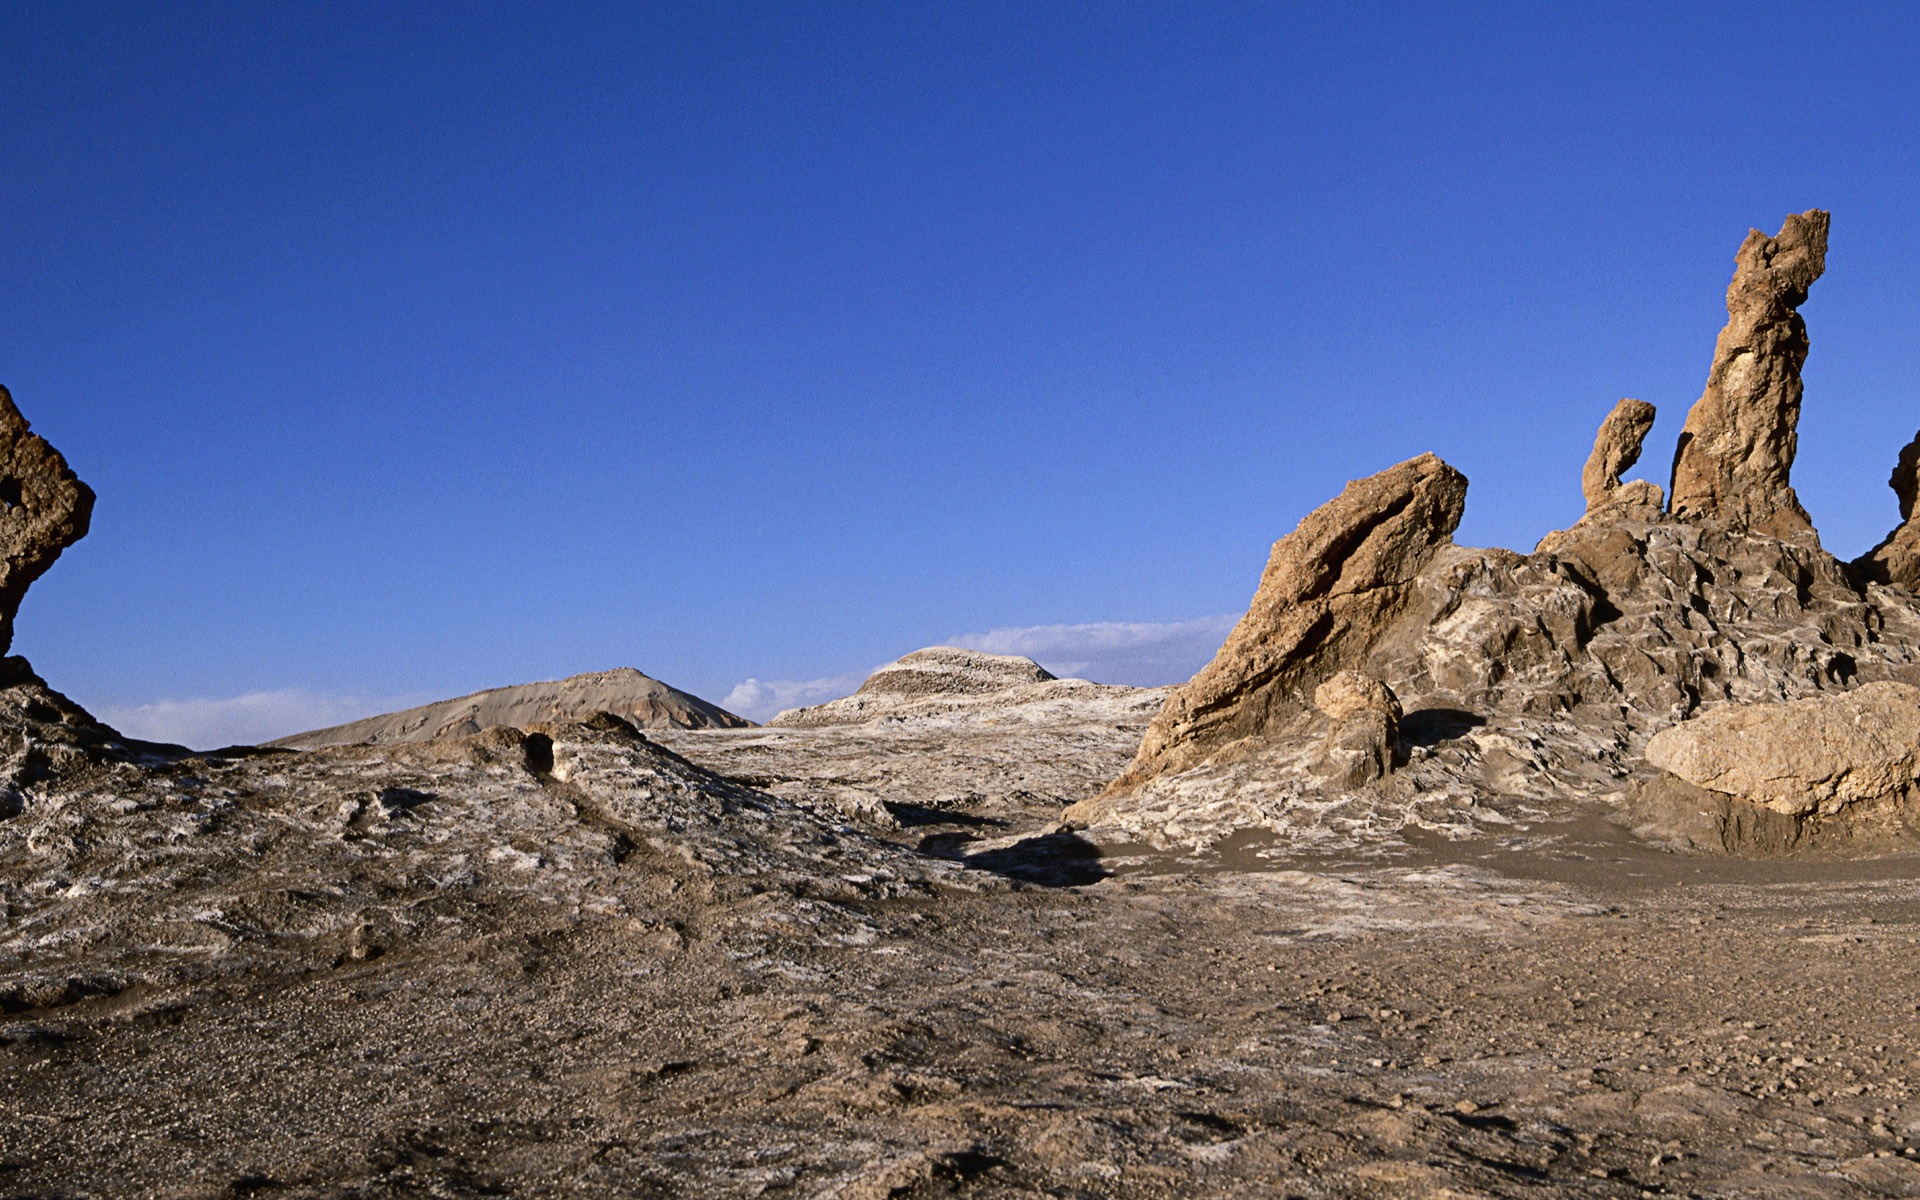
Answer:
(1897, 559)
(1331, 588)
(44, 508)
(1616, 448)
(1736, 449)
(1360, 746)
(1820, 754)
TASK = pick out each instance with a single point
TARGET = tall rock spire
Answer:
(1736, 449)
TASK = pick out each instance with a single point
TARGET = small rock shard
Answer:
(1736, 450)
(1897, 559)
(44, 508)
(1330, 590)
(1615, 449)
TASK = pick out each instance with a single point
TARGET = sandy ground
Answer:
(1563, 1012)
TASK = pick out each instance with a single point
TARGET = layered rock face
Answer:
(1528, 680)
(1897, 559)
(1330, 591)
(1737, 448)
(44, 508)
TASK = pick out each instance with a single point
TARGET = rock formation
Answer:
(1736, 449)
(1527, 680)
(1615, 449)
(950, 671)
(1330, 589)
(1832, 772)
(640, 699)
(1897, 559)
(44, 508)
(1365, 736)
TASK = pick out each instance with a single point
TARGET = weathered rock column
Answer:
(1616, 447)
(1897, 559)
(1736, 449)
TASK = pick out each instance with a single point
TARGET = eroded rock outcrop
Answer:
(1897, 559)
(1736, 451)
(1330, 590)
(1531, 682)
(1616, 447)
(44, 508)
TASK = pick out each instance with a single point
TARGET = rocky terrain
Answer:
(1459, 872)
(642, 701)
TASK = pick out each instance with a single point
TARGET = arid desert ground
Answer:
(1457, 872)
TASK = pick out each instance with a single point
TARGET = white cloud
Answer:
(759, 699)
(207, 724)
(1143, 653)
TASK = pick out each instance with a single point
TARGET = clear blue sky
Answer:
(419, 348)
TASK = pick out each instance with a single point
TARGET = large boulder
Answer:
(44, 508)
(1832, 773)
(1821, 754)
(1330, 591)
(1897, 559)
(1736, 450)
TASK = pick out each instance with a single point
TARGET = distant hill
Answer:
(625, 692)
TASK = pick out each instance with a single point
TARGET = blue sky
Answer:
(415, 349)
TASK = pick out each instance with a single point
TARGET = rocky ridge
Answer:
(639, 699)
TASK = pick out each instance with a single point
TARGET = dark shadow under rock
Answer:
(1052, 859)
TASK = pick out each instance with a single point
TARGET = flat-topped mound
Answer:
(951, 671)
(623, 691)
